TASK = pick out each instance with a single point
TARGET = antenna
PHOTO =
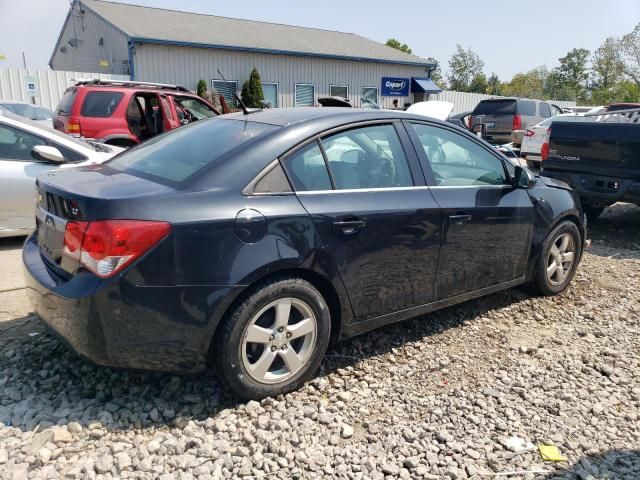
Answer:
(245, 110)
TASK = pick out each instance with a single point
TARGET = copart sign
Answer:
(395, 87)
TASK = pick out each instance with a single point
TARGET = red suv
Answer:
(127, 113)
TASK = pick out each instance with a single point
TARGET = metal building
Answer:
(297, 65)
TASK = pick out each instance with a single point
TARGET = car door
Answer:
(18, 171)
(487, 224)
(368, 200)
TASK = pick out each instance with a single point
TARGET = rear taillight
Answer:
(470, 121)
(544, 151)
(529, 133)
(517, 122)
(73, 127)
(105, 247)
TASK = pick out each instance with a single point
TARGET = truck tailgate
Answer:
(611, 149)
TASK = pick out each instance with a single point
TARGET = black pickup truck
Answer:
(599, 157)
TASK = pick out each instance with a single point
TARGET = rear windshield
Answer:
(64, 107)
(495, 107)
(187, 150)
(527, 107)
(100, 104)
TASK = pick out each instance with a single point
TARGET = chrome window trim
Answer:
(393, 189)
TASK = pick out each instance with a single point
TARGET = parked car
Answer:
(26, 150)
(461, 119)
(127, 113)
(534, 137)
(506, 120)
(599, 156)
(256, 238)
(42, 115)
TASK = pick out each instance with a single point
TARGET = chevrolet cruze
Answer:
(253, 240)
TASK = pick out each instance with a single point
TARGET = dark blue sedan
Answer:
(255, 239)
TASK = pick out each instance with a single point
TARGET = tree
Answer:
(573, 72)
(607, 70)
(202, 88)
(630, 45)
(403, 47)
(494, 86)
(252, 94)
(479, 84)
(464, 66)
(529, 84)
(436, 75)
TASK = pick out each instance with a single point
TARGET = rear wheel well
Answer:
(323, 285)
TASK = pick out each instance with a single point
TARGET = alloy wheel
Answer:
(561, 258)
(279, 340)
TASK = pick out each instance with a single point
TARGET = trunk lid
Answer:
(84, 193)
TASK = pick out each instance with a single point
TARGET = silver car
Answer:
(26, 150)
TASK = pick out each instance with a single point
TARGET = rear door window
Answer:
(367, 157)
(527, 108)
(545, 111)
(495, 107)
(176, 157)
(100, 104)
(66, 102)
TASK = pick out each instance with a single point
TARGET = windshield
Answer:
(193, 108)
(185, 151)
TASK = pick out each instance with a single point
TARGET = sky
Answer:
(509, 36)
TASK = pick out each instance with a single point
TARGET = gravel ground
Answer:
(467, 392)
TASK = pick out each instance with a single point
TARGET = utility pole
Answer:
(24, 61)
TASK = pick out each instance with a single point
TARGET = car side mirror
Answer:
(480, 130)
(45, 153)
(524, 178)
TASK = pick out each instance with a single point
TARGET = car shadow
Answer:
(43, 383)
(612, 464)
(11, 243)
(617, 228)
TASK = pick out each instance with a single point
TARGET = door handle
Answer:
(459, 219)
(349, 227)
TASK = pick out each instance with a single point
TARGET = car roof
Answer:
(282, 117)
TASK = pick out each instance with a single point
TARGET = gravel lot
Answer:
(467, 392)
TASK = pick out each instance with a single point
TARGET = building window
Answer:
(227, 90)
(369, 97)
(305, 95)
(339, 91)
(270, 91)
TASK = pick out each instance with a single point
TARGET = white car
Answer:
(534, 137)
(40, 115)
(26, 150)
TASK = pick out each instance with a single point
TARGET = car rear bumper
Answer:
(498, 138)
(599, 188)
(118, 324)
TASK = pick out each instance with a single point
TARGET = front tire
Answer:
(274, 340)
(561, 251)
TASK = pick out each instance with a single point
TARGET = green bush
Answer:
(202, 88)
(252, 94)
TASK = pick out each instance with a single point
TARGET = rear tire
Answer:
(558, 261)
(274, 340)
